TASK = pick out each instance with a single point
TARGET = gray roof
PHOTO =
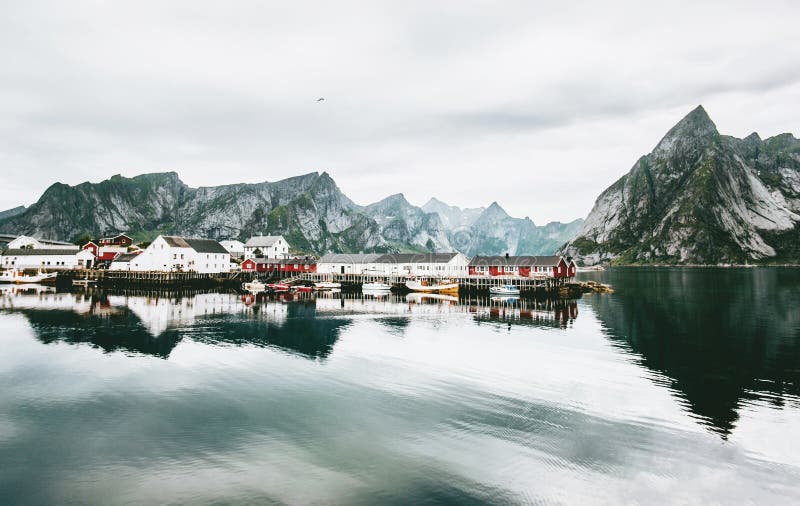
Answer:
(199, 245)
(544, 261)
(60, 243)
(262, 241)
(27, 252)
(416, 258)
(206, 246)
(125, 257)
(176, 241)
(349, 258)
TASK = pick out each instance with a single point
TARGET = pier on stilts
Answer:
(529, 286)
(148, 279)
(535, 287)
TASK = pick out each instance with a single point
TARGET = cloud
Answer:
(420, 99)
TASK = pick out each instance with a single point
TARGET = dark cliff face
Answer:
(699, 197)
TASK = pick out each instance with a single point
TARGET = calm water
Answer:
(682, 387)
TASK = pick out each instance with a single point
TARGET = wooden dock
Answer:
(535, 287)
(149, 279)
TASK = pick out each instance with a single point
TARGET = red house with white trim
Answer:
(107, 248)
(523, 266)
(117, 240)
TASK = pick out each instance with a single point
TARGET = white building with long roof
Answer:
(266, 246)
(171, 253)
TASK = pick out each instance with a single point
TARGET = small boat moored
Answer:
(327, 285)
(504, 290)
(443, 286)
(254, 287)
(278, 287)
(18, 276)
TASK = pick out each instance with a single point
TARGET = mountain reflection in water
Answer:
(720, 337)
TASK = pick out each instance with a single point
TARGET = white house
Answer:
(24, 241)
(122, 262)
(423, 264)
(400, 264)
(347, 263)
(47, 259)
(172, 253)
(266, 246)
(234, 247)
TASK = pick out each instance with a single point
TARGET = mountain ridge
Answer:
(309, 209)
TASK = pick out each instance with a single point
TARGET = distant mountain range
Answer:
(700, 198)
(309, 210)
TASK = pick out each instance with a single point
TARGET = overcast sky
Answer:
(539, 107)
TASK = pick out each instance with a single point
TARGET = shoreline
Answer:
(693, 266)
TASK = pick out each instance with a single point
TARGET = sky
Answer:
(537, 106)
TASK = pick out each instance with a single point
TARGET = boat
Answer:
(327, 285)
(443, 286)
(375, 286)
(17, 276)
(302, 289)
(278, 287)
(254, 287)
(83, 282)
(504, 290)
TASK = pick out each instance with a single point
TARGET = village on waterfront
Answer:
(269, 263)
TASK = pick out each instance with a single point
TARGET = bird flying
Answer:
(320, 99)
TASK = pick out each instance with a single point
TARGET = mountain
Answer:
(12, 212)
(491, 231)
(403, 224)
(309, 210)
(494, 232)
(452, 217)
(700, 198)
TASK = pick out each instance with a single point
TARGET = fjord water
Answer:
(683, 386)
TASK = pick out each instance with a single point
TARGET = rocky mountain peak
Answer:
(699, 197)
(433, 204)
(494, 211)
(694, 129)
(395, 200)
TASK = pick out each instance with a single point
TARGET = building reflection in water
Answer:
(153, 323)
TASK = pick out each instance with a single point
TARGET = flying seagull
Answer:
(320, 99)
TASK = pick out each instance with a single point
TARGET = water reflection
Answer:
(154, 323)
(393, 400)
(723, 337)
